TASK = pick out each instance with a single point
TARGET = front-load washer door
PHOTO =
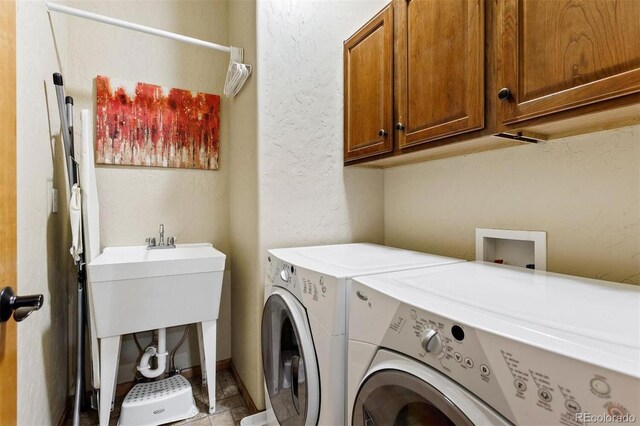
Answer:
(403, 392)
(289, 361)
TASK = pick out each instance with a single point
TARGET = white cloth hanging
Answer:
(237, 73)
(75, 216)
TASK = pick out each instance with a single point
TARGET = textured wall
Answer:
(301, 126)
(306, 196)
(42, 237)
(193, 205)
(584, 191)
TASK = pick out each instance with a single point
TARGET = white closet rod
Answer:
(135, 27)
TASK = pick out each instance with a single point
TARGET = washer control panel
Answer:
(450, 347)
(526, 384)
(545, 387)
(282, 274)
(322, 296)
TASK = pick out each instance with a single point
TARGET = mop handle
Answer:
(71, 155)
(66, 133)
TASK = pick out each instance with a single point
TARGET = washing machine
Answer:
(304, 325)
(484, 344)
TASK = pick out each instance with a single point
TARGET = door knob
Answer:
(399, 127)
(20, 306)
(382, 133)
(504, 94)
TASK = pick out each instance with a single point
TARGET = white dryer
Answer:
(304, 325)
(477, 343)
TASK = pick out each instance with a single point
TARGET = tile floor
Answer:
(230, 405)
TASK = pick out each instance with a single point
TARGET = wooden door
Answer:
(368, 86)
(8, 361)
(557, 55)
(439, 69)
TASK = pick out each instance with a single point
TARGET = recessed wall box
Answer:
(527, 249)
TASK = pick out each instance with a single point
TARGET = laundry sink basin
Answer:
(133, 289)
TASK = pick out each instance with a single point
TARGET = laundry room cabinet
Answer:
(413, 77)
(427, 79)
(368, 86)
(439, 78)
(557, 55)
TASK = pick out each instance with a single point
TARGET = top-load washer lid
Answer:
(589, 320)
(352, 260)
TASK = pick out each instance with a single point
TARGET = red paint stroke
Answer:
(149, 128)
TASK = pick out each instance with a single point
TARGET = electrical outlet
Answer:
(54, 200)
(49, 192)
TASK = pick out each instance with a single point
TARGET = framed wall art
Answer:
(141, 124)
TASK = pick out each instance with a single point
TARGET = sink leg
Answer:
(203, 366)
(109, 357)
(207, 340)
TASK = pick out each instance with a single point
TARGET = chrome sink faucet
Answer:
(151, 241)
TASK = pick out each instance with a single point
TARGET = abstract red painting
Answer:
(140, 124)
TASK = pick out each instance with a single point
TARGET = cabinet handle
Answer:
(382, 133)
(399, 127)
(504, 94)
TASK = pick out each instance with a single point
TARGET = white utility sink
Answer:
(133, 289)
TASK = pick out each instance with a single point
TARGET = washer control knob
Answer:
(431, 341)
(600, 386)
(284, 274)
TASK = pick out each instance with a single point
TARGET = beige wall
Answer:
(246, 288)
(584, 191)
(192, 204)
(42, 236)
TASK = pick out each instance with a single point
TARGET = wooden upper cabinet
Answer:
(434, 78)
(557, 55)
(368, 85)
(439, 69)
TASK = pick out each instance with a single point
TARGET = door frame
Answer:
(8, 330)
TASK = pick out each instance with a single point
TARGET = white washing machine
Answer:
(304, 325)
(476, 343)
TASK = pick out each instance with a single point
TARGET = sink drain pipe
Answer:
(160, 353)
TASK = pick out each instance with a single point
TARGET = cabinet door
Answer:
(556, 55)
(439, 69)
(368, 85)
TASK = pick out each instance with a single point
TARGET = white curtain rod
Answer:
(132, 26)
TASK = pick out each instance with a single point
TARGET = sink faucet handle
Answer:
(171, 241)
(151, 242)
(161, 234)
